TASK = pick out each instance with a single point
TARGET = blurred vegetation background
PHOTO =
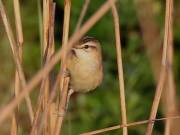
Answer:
(100, 108)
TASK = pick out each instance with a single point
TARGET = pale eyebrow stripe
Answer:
(91, 45)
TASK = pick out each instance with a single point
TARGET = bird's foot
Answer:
(70, 92)
(66, 73)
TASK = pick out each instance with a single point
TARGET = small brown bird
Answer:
(84, 63)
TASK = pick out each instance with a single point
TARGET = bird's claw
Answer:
(66, 73)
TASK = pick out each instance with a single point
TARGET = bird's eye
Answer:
(86, 46)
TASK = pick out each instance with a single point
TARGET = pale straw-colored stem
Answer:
(47, 55)
(16, 57)
(82, 14)
(163, 72)
(63, 83)
(14, 126)
(120, 66)
(132, 124)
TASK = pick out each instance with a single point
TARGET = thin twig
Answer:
(100, 131)
(82, 14)
(168, 21)
(16, 57)
(7, 110)
(120, 66)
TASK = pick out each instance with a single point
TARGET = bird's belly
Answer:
(84, 79)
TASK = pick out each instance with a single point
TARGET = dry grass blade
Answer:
(100, 131)
(67, 10)
(52, 107)
(171, 127)
(168, 22)
(151, 37)
(82, 14)
(51, 98)
(47, 55)
(16, 56)
(62, 107)
(63, 85)
(46, 47)
(120, 66)
(7, 110)
(14, 126)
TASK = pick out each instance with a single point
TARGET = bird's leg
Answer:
(70, 92)
(66, 73)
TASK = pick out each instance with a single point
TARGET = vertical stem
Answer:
(62, 107)
(63, 81)
(120, 66)
(48, 50)
(168, 22)
(16, 58)
(171, 127)
(151, 37)
(17, 79)
(45, 48)
(67, 11)
(82, 14)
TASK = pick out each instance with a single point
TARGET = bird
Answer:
(84, 65)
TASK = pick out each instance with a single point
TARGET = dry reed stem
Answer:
(171, 86)
(82, 14)
(63, 86)
(152, 39)
(16, 56)
(100, 131)
(51, 98)
(52, 119)
(46, 49)
(67, 11)
(8, 109)
(171, 92)
(120, 66)
(52, 107)
(37, 112)
(62, 107)
(14, 127)
(49, 52)
(167, 127)
(168, 22)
